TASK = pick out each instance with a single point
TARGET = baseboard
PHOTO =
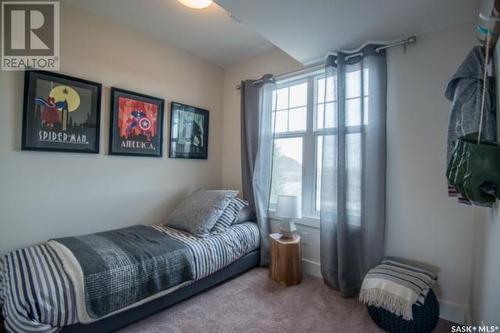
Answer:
(453, 312)
(311, 267)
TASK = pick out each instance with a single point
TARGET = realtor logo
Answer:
(30, 35)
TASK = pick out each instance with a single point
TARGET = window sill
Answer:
(308, 221)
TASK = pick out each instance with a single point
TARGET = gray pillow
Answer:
(198, 213)
(246, 214)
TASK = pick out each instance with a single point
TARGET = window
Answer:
(290, 125)
(304, 118)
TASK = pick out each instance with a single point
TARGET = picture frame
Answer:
(136, 124)
(61, 113)
(188, 132)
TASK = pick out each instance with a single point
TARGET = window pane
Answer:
(366, 80)
(331, 115)
(320, 90)
(353, 84)
(366, 110)
(319, 167)
(326, 164)
(287, 168)
(297, 119)
(353, 112)
(353, 164)
(273, 106)
(298, 95)
(326, 168)
(328, 118)
(282, 102)
(281, 121)
(320, 116)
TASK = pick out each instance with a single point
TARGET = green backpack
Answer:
(474, 169)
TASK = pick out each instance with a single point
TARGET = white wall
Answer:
(46, 194)
(422, 222)
(485, 285)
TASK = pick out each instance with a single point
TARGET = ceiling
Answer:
(209, 33)
(305, 29)
(309, 29)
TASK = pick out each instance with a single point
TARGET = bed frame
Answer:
(130, 316)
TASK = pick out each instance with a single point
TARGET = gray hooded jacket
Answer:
(465, 91)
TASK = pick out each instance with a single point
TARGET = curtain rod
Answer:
(404, 42)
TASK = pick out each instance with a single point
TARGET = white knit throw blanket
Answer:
(396, 287)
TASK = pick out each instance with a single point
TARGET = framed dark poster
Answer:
(188, 132)
(136, 126)
(60, 113)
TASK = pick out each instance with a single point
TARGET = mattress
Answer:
(41, 289)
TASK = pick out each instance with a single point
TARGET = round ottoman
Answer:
(425, 317)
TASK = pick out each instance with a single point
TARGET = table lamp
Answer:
(288, 209)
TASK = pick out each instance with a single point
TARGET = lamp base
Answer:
(288, 228)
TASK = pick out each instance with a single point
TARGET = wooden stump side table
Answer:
(286, 260)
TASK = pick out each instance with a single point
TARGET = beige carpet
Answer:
(254, 303)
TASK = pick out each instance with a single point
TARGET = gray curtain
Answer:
(353, 169)
(257, 150)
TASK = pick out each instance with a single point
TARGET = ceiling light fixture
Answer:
(196, 4)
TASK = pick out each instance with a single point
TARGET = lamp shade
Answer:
(289, 207)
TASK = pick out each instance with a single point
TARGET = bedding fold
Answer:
(124, 266)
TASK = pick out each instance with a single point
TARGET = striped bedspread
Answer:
(216, 252)
(396, 287)
(42, 289)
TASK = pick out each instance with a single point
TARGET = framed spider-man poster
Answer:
(61, 113)
(136, 126)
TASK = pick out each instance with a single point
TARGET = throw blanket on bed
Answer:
(124, 266)
(396, 287)
(82, 279)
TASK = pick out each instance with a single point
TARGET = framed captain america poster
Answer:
(136, 126)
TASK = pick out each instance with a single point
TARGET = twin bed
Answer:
(101, 282)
